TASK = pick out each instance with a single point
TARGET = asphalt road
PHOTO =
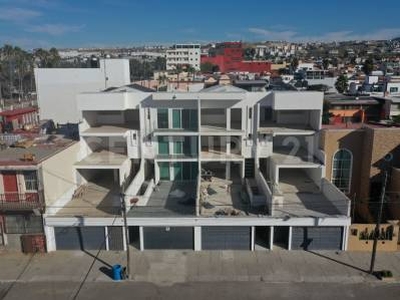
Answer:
(203, 290)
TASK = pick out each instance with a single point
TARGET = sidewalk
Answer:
(169, 267)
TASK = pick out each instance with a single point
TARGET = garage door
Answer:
(168, 237)
(115, 238)
(79, 238)
(317, 238)
(225, 238)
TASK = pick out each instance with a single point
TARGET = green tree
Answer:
(325, 63)
(341, 84)
(368, 66)
(206, 67)
(294, 63)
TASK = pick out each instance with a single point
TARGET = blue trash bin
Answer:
(117, 272)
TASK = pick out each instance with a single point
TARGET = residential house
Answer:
(32, 173)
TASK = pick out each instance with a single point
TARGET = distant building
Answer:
(183, 55)
(228, 57)
(11, 120)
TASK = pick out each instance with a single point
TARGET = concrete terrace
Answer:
(302, 197)
(284, 156)
(100, 199)
(223, 197)
(169, 199)
(104, 158)
(109, 130)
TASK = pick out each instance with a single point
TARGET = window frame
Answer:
(334, 170)
(30, 182)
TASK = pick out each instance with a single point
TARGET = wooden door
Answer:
(10, 186)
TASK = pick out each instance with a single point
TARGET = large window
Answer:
(341, 169)
(30, 181)
(162, 118)
(21, 224)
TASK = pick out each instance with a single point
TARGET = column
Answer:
(141, 238)
(228, 170)
(228, 118)
(271, 237)
(290, 238)
(253, 233)
(197, 238)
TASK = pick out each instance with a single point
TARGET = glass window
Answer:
(162, 118)
(176, 118)
(30, 181)
(21, 224)
(341, 170)
(163, 145)
(394, 89)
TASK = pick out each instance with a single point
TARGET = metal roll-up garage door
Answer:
(225, 238)
(168, 237)
(317, 238)
(79, 238)
(115, 238)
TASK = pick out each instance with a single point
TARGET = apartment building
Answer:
(183, 55)
(222, 168)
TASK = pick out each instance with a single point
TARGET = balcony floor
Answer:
(98, 199)
(102, 160)
(287, 156)
(212, 154)
(218, 200)
(285, 129)
(214, 130)
(169, 199)
(110, 130)
(301, 197)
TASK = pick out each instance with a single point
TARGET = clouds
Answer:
(345, 35)
(24, 17)
(55, 29)
(18, 15)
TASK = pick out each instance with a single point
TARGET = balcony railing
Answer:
(18, 201)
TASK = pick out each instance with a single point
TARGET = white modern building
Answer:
(221, 168)
(184, 55)
(57, 88)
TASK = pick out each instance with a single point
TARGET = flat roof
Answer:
(102, 160)
(40, 147)
(169, 199)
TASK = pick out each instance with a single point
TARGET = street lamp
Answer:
(387, 159)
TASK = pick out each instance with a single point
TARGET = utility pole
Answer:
(128, 258)
(387, 159)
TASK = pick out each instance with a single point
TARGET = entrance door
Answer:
(10, 186)
(164, 171)
(178, 171)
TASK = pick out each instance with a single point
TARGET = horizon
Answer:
(124, 23)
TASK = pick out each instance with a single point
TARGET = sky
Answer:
(120, 23)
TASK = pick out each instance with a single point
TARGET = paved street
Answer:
(198, 275)
(204, 290)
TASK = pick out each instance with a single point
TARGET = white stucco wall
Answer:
(57, 88)
(59, 178)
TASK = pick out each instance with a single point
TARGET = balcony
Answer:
(21, 201)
